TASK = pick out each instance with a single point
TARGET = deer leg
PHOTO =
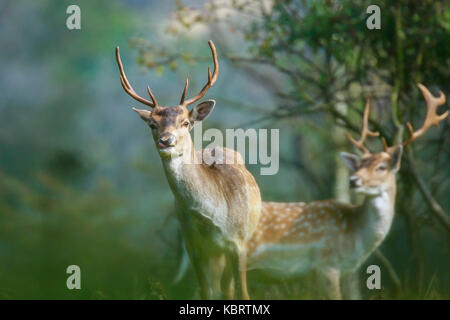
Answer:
(216, 270)
(202, 279)
(237, 257)
(200, 266)
(233, 260)
(209, 267)
(243, 272)
(184, 260)
(331, 278)
(227, 282)
(350, 286)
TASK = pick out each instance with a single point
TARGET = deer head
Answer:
(374, 173)
(171, 125)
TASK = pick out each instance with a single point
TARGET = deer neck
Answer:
(376, 218)
(192, 187)
(182, 173)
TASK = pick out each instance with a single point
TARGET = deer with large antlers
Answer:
(218, 204)
(331, 237)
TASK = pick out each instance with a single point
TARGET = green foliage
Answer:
(51, 226)
(59, 197)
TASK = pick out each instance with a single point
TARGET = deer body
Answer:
(218, 193)
(217, 200)
(213, 200)
(218, 208)
(296, 238)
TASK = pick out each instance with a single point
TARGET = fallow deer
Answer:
(218, 203)
(331, 237)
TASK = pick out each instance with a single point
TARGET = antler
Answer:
(184, 91)
(211, 79)
(129, 89)
(365, 130)
(432, 118)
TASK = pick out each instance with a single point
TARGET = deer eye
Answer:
(186, 123)
(381, 167)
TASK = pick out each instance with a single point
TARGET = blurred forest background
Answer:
(81, 182)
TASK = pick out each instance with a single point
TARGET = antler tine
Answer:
(432, 118)
(129, 89)
(385, 145)
(365, 130)
(150, 93)
(184, 91)
(211, 78)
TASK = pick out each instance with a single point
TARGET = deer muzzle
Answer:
(167, 140)
(355, 182)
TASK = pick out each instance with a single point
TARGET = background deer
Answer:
(218, 205)
(331, 237)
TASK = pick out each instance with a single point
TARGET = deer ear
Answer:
(350, 160)
(144, 114)
(396, 158)
(201, 111)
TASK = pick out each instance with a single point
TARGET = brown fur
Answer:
(284, 222)
(218, 203)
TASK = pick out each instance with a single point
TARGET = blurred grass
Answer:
(44, 230)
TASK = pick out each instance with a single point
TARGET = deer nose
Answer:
(167, 140)
(355, 182)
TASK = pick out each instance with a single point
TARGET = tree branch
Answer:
(434, 206)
